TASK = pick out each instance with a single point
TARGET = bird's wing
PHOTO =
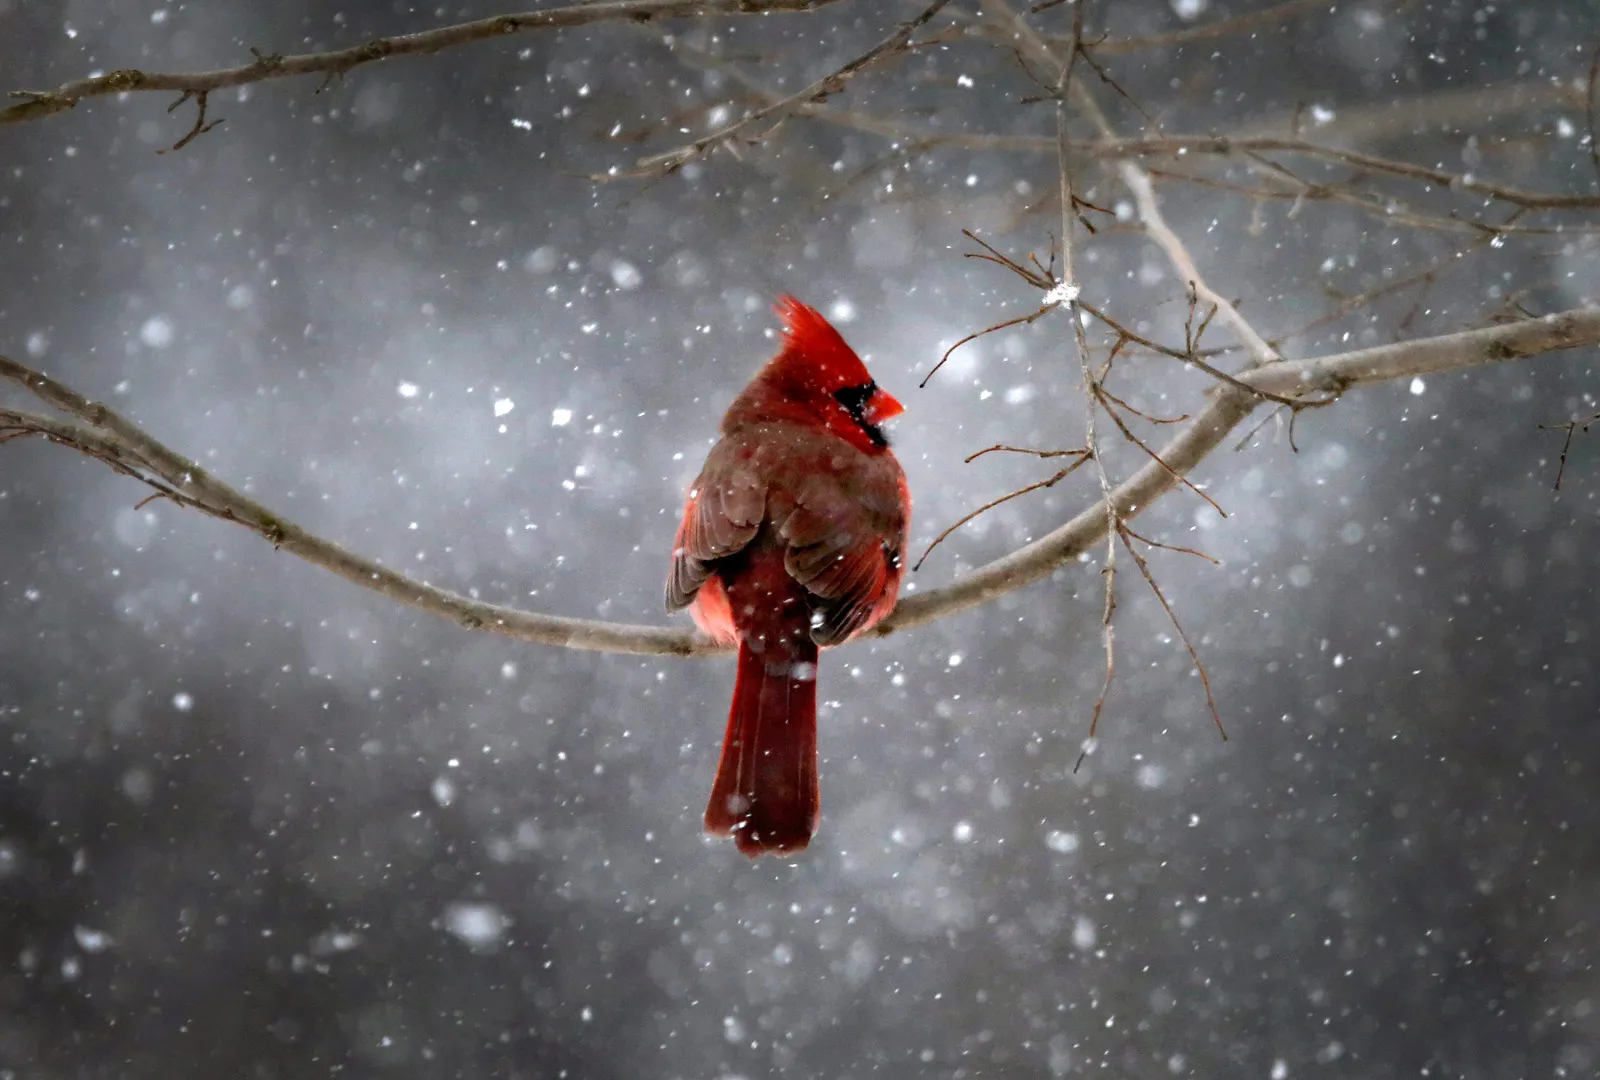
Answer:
(845, 550)
(722, 515)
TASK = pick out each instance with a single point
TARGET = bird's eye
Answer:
(855, 398)
(854, 401)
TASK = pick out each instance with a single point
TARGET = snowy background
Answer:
(257, 822)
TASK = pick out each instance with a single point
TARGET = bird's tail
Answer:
(765, 793)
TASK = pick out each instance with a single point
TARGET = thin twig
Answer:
(1140, 413)
(1131, 437)
(830, 84)
(1038, 279)
(1179, 145)
(1003, 448)
(1590, 97)
(1092, 403)
(1390, 211)
(1018, 321)
(1222, 28)
(1105, 77)
(1349, 304)
(1571, 426)
(1256, 430)
(200, 126)
(1181, 550)
(1386, 209)
(41, 103)
(1144, 197)
(1190, 354)
(1060, 475)
(1205, 680)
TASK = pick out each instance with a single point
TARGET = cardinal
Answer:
(791, 541)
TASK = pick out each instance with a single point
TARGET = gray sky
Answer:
(254, 820)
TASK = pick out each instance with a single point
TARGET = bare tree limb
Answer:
(110, 437)
(1055, 478)
(1425, 356)
(1258, 138)
(36, 105)
(1031, 43)
(1175, 145)
(1571, 427)
(200, 127)
(1373, 123)
(1069, 291)
(830, 84)
(1095, 395)
(1590, 97)
(1284, 185)
(1441, 109)
(1220, 28)
(1227, 408)
(1156, 227)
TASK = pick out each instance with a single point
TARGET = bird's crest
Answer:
(812, 341)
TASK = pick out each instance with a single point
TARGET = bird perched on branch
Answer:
(792, 540)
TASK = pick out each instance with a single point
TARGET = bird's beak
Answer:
(880, 407)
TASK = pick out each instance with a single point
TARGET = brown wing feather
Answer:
(722, 515)
(840, 516)
(836, 550)
(862, 585)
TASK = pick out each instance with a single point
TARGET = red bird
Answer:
(791, 540)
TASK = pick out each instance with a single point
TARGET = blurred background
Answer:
(255, 821)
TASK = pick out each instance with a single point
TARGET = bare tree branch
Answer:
(1590, 97)
(1285, 185)
(110, 437)
(1096, 397)
(1069, 291)
(1176, 145)
(1221, 28)
(830, 84)
(1031, 43)
(1155, 225)
(1571, 427)
(1227, 408)
(39, 104)
(1257, 138)
(1059, 475)
(1440, 109)
(1372, 123)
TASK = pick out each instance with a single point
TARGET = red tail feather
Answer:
(766, 788)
